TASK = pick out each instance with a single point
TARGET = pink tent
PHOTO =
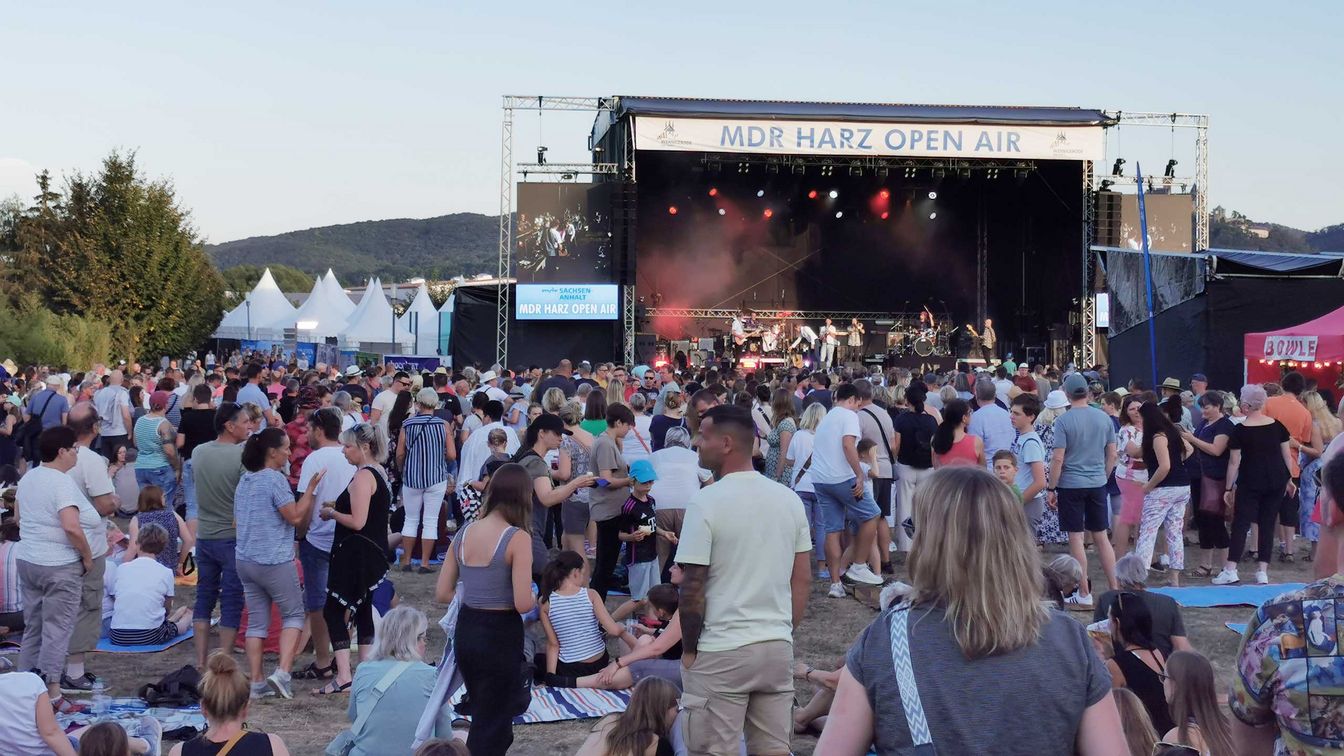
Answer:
(1316, 345)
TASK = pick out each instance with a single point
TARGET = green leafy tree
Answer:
(119, 248)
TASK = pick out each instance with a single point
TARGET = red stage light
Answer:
(885, 215)
(768, 213)
(672, 210)
(884, 194)
(812, 194)
(713, 191)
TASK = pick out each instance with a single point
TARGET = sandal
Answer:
(1203, 571)
(333, 688)
(314, 672)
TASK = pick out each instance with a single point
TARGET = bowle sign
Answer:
(1290, 348)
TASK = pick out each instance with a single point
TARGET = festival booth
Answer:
(263, 314)
(373, 326)
(421, 319)
(1314, 348)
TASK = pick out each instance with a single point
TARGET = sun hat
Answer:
(1171, 384)
(1056, 400)
(353, 371)
(488, 376)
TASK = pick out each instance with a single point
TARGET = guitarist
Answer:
(987, 340)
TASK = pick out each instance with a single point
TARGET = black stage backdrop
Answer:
(531, 342)
(1206, 333)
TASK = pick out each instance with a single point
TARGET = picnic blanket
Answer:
(131, 709)
(415, 559)
(1204, 596)
(107, 646)
(1237, 627)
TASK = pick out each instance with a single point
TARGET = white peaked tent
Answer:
(425, 325)
(373, 320)
(264, 313)
(325, 311)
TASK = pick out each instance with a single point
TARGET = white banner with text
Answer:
(1290, 348)
(864, 139)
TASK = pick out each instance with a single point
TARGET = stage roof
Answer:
(859, 111)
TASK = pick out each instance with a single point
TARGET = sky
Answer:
(271, 117)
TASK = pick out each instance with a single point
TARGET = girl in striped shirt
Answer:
(574, 617)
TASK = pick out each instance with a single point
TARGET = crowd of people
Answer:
(714, 500)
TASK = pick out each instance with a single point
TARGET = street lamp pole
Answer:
(248, 303)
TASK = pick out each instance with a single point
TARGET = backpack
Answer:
(179, 688)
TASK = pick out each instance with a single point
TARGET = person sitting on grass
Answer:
(648, 725)
(811, 719)
(225, 696)
(657, 652)
(143, 596)
(150, 509)
(574, 618)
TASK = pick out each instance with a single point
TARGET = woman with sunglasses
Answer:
(1135, 662)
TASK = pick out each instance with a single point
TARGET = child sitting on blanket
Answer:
(574, 618)
(143, 594)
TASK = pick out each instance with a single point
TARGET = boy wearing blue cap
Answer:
(639, 530)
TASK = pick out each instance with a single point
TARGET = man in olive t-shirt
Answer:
(217, 466)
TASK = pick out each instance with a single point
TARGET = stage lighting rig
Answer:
(834, 194)
(541, 156)
(1170, 171)
(1119, 168)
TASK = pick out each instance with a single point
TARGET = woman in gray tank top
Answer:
(492, 558)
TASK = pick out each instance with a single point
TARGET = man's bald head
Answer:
(83, 420)
(115, 377)
(565, 368)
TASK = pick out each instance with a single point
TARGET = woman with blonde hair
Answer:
(615, 394)
(974, 615)
(1324, 427)
(799, 460)
(225, 695)
(1140, 738)
(553, 400)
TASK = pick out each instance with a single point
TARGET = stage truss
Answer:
(730, 313)
(1087, 351)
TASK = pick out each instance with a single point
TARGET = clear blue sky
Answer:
(271, 117)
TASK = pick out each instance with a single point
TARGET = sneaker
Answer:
(1227, 577)
(837, 591)
(1079, 602)
(1261, 578)
(823, 574)
(152, 731)
(78, 685)
(261, 690)
(279, 682)
(860, 573)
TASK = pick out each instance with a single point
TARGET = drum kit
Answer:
(907, 338)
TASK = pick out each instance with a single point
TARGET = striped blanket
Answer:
(131, 709)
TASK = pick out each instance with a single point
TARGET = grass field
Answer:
(307, 724)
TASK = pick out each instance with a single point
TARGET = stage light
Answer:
(933, 195)
(1106, 185)
(1119, 168)
(722, 211)
(839, 213)
(964, 172)
(768, 213)
(812, 194)
(885, 215)
(909, 172)
(933, 216)
(713, 191)
(1317, 365)
(834, 194)
(760, 192)
(1170, 171)
(939, 173)
(884, 194)
(672, 210)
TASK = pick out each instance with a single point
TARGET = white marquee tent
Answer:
(421, 319)
(325, 312)
(263, 314)
(373, 321)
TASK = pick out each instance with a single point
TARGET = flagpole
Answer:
(1147, 276)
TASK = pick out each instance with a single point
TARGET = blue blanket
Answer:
(107, 646)
(127, 710)
(1204, 596)
(1237, 627)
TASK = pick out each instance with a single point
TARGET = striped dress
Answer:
(425, 464)
(575, 626)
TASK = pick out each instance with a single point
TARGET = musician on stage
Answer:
(989, 340)
(738, 330)
(926, 320)
(830, 338)
(854, 352)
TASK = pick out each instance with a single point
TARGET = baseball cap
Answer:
(642, 471)
(548, 422)
(1075, 386)
(1199, 377)
(930, 378)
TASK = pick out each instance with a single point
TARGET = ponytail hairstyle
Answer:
(954, 413)
(259, 444)
(554, 573)
(366, 434)
(915, 395)
(224, 688)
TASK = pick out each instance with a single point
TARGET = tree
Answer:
(124, 253)
(240, 279)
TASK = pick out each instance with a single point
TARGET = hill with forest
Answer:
(1229, 229)
(396, 250)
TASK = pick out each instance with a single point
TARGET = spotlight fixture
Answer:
(541, 156)
(722, 211)
(964, 172)
(839, 213)
(933, 195)
(743, 167)
(884, 194)
(672, 210)
(909, 172)
(1020, 174)
(855, 170)
(885, 215)
(760, 192)
(992, 173)
(772, 167)
(1170, 172)
(933, 216)
(713, 191)
(939, 173)
(799, 169)
(826, 170)
(768, 213)
(834, 194)
(882, 171)
(1106, 185)
(1119, 168)
(812, 194)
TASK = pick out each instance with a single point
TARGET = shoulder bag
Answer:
(916, 722)
(344, 743)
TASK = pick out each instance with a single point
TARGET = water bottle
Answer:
(101, 701)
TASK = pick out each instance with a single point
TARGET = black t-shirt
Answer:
(198, 426)
(818, 396)
(1209, 465)
(658, 428)
(1262, 466)
(556, 381)
(636, 514)
(1166, 616)
(1177, 475)
(916, 431)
